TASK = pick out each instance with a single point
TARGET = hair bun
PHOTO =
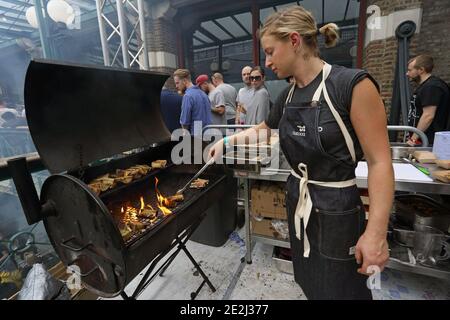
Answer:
(330, 32)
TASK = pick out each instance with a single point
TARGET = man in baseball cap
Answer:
(215, 97)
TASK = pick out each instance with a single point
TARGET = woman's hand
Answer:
(216, 151)
(371, 250)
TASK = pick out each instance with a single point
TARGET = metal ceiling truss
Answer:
(12, 23)
(132, 45)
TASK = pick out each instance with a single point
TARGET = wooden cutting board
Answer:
(424, 156)
(441, 175)
(443, 164)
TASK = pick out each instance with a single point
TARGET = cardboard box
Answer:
(264, 228)
(268, 200)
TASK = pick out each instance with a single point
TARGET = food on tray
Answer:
(125, 176)
(125, 231)
(102, 184)
(125, 179)
(177, 198)
(159, 164)
(199, 183)
(171, 202)
(147, 212)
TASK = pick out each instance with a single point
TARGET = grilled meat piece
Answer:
(199, 183)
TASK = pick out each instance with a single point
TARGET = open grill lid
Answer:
(80, 114)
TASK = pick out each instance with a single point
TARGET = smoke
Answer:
(13, 65)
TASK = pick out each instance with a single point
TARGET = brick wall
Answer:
(389, 6)
(161, 37)
(434, 35)
(380, 56)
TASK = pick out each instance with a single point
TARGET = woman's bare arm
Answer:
(369, 120)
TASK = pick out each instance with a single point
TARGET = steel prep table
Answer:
(281, 175)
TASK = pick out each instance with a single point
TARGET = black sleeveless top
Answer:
(340, 84)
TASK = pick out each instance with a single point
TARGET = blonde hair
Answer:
(296, 19)
(217, 75)
(182, 74)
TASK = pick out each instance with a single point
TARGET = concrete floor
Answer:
(261, 279)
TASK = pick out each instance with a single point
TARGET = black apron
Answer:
(324, 201)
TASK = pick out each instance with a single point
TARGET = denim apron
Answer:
(325, 213)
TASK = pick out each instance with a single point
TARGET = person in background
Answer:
(195, 106)
(171, 105)
(259, 106)
(229, 94)
(430, 102)
(245, 95)
(216, 97)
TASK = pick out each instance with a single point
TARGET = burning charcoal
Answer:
(136, 225)
(199, 183)
(159, 164)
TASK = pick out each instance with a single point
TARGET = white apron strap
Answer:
(304, 204)
(337, 116)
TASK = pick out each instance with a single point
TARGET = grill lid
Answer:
(79, 114)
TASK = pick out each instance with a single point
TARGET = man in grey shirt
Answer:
(215, 97)
(245, 95)
(229, 93)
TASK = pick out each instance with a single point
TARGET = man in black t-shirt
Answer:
(429, 105)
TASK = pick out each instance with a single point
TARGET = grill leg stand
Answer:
(199, 269)
(126, 297)
(174, 255)
(181, 242)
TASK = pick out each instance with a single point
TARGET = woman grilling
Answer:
(328, 119)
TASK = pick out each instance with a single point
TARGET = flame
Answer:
(121, 210)
(163, 203)
(165, 210)
(142, 203)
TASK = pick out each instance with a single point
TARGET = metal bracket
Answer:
(69, 247)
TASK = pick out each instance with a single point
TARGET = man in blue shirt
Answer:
(195, 108)
(171, 105)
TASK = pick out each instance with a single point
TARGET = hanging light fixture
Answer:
(31, 17)
(61, 11)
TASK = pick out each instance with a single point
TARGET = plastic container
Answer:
(441, 146)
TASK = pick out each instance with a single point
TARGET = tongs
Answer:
(207, 164)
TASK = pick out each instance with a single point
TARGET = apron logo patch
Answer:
(351, 251)
(301, 131)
